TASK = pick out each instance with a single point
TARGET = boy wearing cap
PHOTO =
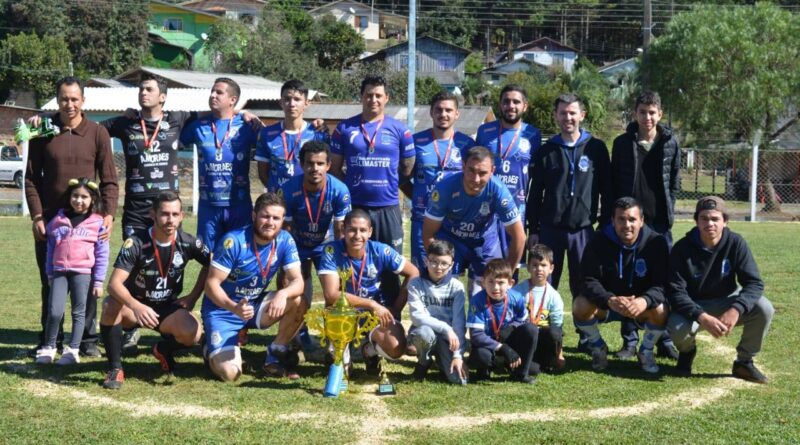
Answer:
(715, 285)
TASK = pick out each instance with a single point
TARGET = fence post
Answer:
(24, 147)
(754, 176)
(195, 181)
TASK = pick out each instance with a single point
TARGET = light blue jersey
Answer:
(280, 149)
(310, 213)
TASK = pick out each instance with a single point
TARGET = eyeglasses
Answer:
(440, 264)
(83, 181)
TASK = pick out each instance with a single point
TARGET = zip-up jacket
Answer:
(77, 249)
(624, 159)
(610, 268)
(569, 183)
(697, 273)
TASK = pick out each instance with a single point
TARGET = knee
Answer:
(424, 337)
(110, 311)
(530, 330)
(227, 372)
(764, 309)
(583, 309)
(658, 315)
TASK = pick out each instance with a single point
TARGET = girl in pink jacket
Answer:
(76, 264)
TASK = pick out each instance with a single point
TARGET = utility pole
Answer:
(412, 63)
(647, 26)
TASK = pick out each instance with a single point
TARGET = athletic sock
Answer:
(277, 353)
(651, 335)
(168, 345)
(112, 339)
(592, 332)
(305, 338)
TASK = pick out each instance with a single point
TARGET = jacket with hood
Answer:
(611, 268)
(569, 183)
(624, 161)
(697, 273)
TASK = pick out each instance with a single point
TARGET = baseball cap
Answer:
(711, 203)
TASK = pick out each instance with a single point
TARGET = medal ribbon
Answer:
(148, 143)
(535, 318)
(443, 162)
(289, 155)
(319, 207)
(357, 286)
(371, 142)
(217, 142)
(264, 271)
(162, 271)
(495, 326)
(504, 153)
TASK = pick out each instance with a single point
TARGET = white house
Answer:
(544, 51)
(246, 11)
(371, 23)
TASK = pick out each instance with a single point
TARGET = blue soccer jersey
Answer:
(465, 217)
(436, 159)
(223, 151)
(311, 213)
(482, 310)
(365, 281)
(512, 150)
(249, 273)
(281, 150)
(371, 153)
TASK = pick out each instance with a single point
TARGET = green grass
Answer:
(56, 405)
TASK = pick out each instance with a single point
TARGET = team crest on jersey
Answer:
(327, 208)
(198, 243)
(456, 155)
(640, 267)
(280, 193)
(228, 243)
(177, 260)
(127, 244)
(216, 338)
(329, 250)
(504, 203)
(584, 163)
(524, 145)
(372, 272)
(387, 251)
(164, 125)
(726, 267)
(484, 209)
(435, 196)
(240, 156)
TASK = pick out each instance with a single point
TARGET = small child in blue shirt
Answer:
(436, 304)
(545, 310)
(499, 328)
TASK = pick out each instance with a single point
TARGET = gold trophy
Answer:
(339, 325)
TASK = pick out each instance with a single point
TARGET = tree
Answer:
(728, 70)
(33, 64)
(336, 44)
(449, 21)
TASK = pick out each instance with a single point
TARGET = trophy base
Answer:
(386, 389)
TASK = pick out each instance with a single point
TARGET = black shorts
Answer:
(163, 310)
(136, 215)
(387, 225)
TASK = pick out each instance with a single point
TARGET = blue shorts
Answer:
(471, 257)
(418, 254)
(214, 222)
(222, 326)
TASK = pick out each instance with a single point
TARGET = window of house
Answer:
(404, 61)
(445, 63)
(173, 25)
(558, 59)
(362, 22)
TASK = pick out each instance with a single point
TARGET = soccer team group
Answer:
(485, 207)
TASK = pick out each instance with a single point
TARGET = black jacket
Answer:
(567, 200)
(730, 261)
(610, 268)
(624, 161)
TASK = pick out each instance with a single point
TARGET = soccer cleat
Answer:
(90, 350)
(69, 357)
(684, 366)
(524, 378)
(746, 370)
(626, 353)
(280, 365)
(45, 355)
(667, 350)
(421, 370)
(114, 379)
(167, 361)
(600, 358)
(647, 361)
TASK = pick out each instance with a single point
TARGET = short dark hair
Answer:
(498, 268)
(160, 81)
(357, 214)
(625, 203)
(92, 188)
(443, 95)
(441, 248)
(268, 199)
(375, 81)
(165, 196)
(478, 153)
(314, 147)
(237, 92)
(540, 252)
(648, 98)
(569, 98)
(514, 87)
(69, 80)
(295, 85)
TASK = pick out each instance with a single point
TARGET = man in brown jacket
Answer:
(82, 149)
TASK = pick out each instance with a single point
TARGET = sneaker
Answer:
(69, 357)
(746, 370)
(583, 346)
(167, 362)
(90, 350)
(482, 374)
(280, 367)
(626, 353)
(684, 366)
(114, 379)
(130, 341)
(667, 350)
(600, 358)
(525, 378)
(421, 370)
(45, 355)
(647, 360)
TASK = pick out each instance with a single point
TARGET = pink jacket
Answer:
(77, 249)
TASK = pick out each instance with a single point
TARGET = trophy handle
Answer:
(366, 322)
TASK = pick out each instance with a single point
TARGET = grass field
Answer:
(45, 405)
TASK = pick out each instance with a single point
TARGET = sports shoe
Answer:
(45, 355)
(667, 350)
(69, 357)
(647, 361)
(90, 350)
(482, 374)
(421, 370)
(371, 359)
(167, 361)
(130, 341)
(746, 370)
(600, 358)
(280, 366)
(583, 346)
(684, 366)
(114, 379)
(626, 353)
(525, 378)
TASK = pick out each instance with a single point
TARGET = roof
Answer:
(105, 82)
(495, 68)
(183, 8)
(615, 65)
(197, 79)
(382, 53)
(118, 99)
(544, 44)
(329, 5)
(471, 117)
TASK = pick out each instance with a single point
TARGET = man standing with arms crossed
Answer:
(377, 152)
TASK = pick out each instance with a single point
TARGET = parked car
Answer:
(11, 166)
